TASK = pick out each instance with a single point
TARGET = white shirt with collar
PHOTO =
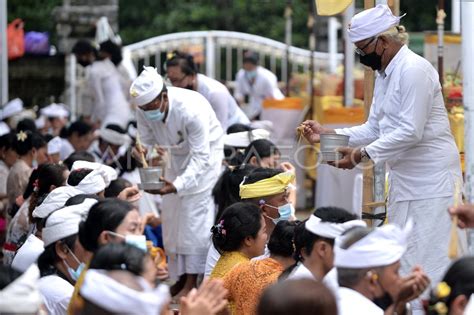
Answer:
(264, 87)
(224, 105)
(56, 293)
(300, 272)
(352, 302)
(408, 128)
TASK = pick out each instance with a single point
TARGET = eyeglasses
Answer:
(360, 51)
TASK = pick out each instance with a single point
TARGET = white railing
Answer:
(225, 51)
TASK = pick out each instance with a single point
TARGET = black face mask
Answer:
(372, 60)
(189, 87)
(384, 301)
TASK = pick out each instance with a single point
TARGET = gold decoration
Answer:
(443, 290)
(134, 93)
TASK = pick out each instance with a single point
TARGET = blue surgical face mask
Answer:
(285, 212)
(74, 273)
(139, 241)
(155, 114)
(251, 74)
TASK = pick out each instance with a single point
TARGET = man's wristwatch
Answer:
(364, 156)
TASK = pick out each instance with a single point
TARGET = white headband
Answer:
(114, 137)
(107, 293)
(382, 247)
(328, 229)
(97, 180)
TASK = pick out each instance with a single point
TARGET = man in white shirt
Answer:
(183, 123)
(408, 129)
(321, 229)
(182, 72)
(368, 261)
(254, 84)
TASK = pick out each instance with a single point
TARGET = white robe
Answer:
(353, 303)
(56, 293)
(264, 87)
(224, 105)
(192, 136)
(110, 103)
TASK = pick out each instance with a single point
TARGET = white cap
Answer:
(54, 145)
(55, 111)
(97, 180)
(40, 122)
(146, 87)
(28, 253)
(12, 108)
(244, 138)
(55, 200)
(107, 293)
(22, 295)
(65, 222)
(328, 229)
(372, 22)
(4, 129)
(381, 247)
(114, 137)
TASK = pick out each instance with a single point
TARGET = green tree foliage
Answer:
(37, 15)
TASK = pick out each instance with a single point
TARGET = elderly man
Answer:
(367, 263)
(408, 129)
(183, 122)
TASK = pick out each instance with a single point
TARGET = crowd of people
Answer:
(218, 232)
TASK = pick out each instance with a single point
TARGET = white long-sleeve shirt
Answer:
(110, 103)
(408, 128)
(224, 105)
(193, 137)
(264, 87)
(351, 302)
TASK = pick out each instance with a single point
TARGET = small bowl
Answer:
(331, 141)
(150, 178)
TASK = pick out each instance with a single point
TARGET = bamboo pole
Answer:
(368, 179)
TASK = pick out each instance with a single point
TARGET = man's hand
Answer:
(412, 286)
(350, 158)
(465, 215)
(312, 129)
(209, 299)
(130, 194)
(167, 189)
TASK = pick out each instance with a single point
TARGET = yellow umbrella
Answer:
(331, 7)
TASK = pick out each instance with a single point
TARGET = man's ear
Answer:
(253, 160)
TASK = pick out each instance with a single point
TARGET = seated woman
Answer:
(247, 281)
(452, 295)
(63, 258)
(239, 236)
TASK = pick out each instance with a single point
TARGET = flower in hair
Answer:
(21, 136)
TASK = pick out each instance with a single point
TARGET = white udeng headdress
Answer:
(329, 229)
(382, 247)
(372, 22)
(105, 292)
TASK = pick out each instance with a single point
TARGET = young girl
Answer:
(31, 149)
(247, 281)
(451, 296)
(239, 236)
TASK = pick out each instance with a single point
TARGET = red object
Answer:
(16, 39)
(10, 247)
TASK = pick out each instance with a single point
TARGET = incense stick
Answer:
(140, 149)
(454, 239)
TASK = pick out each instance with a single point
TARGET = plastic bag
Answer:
(16, 39)
(37, 43)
